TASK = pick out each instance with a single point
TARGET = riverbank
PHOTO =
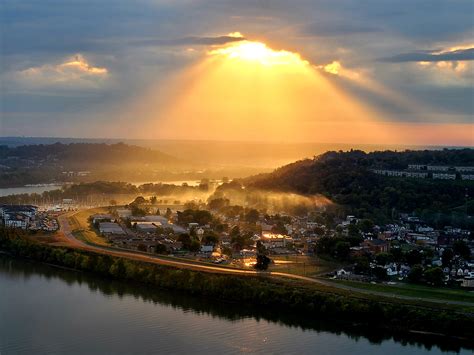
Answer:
(309, 301)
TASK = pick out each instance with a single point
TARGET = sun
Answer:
(258, 52)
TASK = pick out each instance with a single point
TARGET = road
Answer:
(72, 241)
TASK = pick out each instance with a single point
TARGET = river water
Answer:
(44, 309)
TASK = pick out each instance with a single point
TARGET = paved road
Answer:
(65, 228)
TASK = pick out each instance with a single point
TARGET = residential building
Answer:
(444, 176)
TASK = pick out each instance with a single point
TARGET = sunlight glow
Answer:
(247, 91)
(259, 52)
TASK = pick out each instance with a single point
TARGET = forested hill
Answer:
(347, 179)
(78, 162)
(82, 154)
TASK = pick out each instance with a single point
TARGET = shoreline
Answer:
(312, 301)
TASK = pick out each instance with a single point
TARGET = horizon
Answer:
(171, 140)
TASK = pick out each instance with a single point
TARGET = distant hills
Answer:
(260, 156)
(58, 162)
(84, 155)
(347, 179)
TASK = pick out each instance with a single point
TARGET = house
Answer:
(16, 220)
(124, 213)
(110, 228)
(444, 176)
(376, 246)
(28, 210)
(148, 227)
(207, 248)
(462, 169)
(437, 168)
(101, 218)
(342, 272)
(17, 216)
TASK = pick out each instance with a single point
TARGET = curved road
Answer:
(72, 241)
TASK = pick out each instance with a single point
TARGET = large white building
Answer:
(17, 216)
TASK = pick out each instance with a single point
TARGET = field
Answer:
(81, 227)
(302, 265)
(411, 290)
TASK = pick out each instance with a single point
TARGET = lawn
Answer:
(301, 265)
(418, 291)
(82, 229)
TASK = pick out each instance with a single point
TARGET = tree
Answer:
(210, 239)
(195, 245)
(353, 230)
(462, 249)
(218, 203)
(113, 203)
(252, 216)
(342, 250)
(140, 200)
(380, 273)
(397, 254)
(414, 257)
(161, 249)
(447, 257)
(362, 265)
(261, 248)
(137, 211)
(279, 228)
(435, 276)
(185, 240)
(366, 225)
(383, 258)
(153, 200)
(168, 213)
(415, 274)
(262, 262)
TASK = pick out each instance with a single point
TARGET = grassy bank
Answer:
(82, 229)
(307, 300)
(412, 290)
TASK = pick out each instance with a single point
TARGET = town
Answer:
(406, 250)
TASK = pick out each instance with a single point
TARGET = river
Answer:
(44, 309)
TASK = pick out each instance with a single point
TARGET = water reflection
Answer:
(13, 269)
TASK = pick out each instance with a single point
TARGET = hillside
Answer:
(348, 180)
(31, 164)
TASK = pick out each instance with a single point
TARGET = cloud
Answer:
(462, 54)
(327, 29)
(75, 71)
(191, 40)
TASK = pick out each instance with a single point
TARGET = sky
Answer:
(345, 71)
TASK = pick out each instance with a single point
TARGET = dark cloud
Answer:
(192, 40)
(323, 29)
(429, 56)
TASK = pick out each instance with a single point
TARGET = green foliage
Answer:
(262, 262)
(462, 249)
(347, 179)
(201, 217)
(210, 239)
(380, 273)
(336, 247)
(161, 249)
(416, 274)
(252, 216)
(434, 276)
(447, 257)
